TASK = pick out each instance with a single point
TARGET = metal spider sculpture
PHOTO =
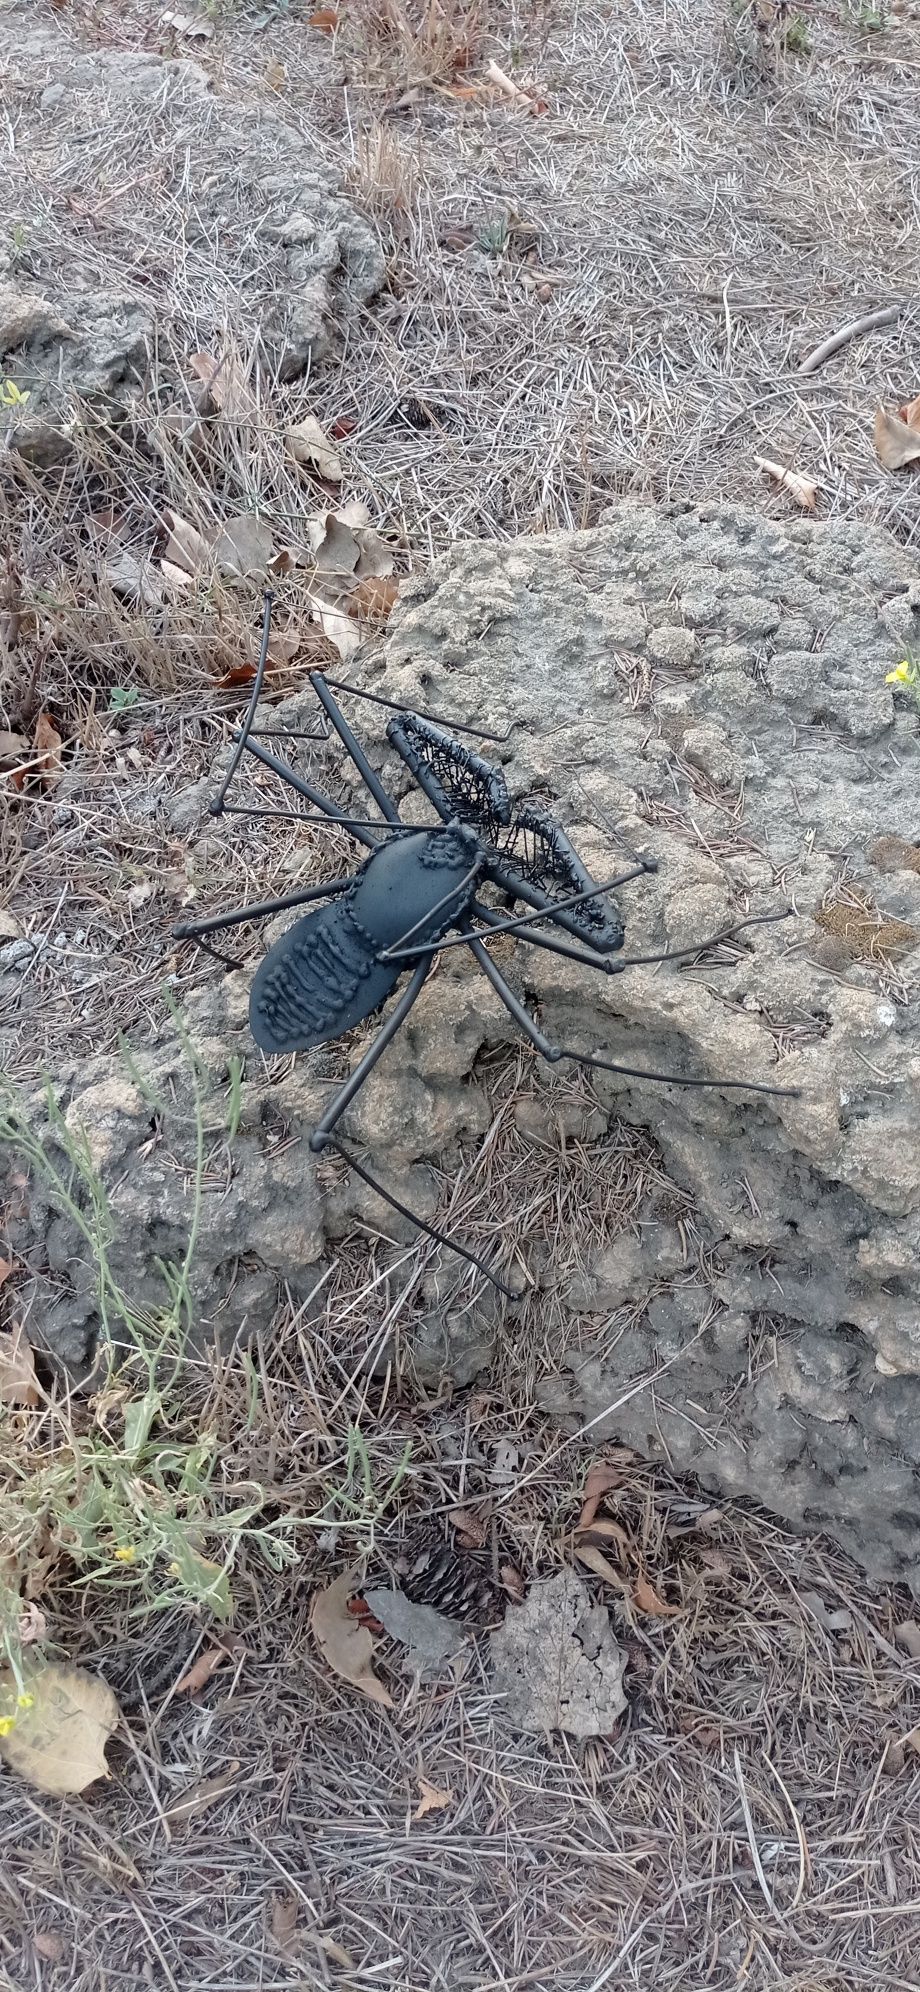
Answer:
(416, 894)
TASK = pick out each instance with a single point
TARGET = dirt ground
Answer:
(607, 285)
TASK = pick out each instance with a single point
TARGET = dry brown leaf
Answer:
(601, 1478)
(202, 1668)
(803, 489)
(373, 599)
(896, 443)
(284, 1913)
(274, 74)
(345, 1644)
(433, 1799)
(594, 1559)
(472, 1529)
(176, 577)
(13, 746)
(18, 1381)
(337, 625)
(58, 1744)
(244, 546)
(47, 1944)
(513, 1581)
(198, 1797)
(6, 1267)
(224, 377)
(186, 548)
(47, 747)
(602, 1529)
(325, 19)
(910, 413)
(646, 1599)
(310, 447)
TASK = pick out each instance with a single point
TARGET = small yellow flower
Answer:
(174, 1570)
(24, 1701)
(904, 674)
(6, 1724)
(125, 1553)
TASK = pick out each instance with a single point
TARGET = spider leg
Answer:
(353, 747)
(310, 794)
(437, 718)
(323, 1136)
(385, 1035)
(554, 1052)
(492, 919)
(189, 930)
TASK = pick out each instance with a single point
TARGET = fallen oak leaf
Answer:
(18, 1381)
(325, 19)
(345, 1645)
(374, 598)
(897, 444)
(910, 413)
(48, 747)
(186, 548)
(311, 449)
(594, 1559)
(602, 1529)
(226, 384)
(205, 1665)
(646, 1599)
(433, 1799)
(337, 625)
(803, 489)
(58, 1742)
(244, 546)
(602, 1476)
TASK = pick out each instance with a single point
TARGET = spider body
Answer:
(329, 971)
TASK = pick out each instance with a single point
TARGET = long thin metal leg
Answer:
(217, 801)
(385, 1035)
(431, 1230)
(436, 718)
(190, 929)
(490, 918)
(353, 747)
(554, 1052)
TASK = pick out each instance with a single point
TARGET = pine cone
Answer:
(457, 1582)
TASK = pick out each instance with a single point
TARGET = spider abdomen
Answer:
(326, 973)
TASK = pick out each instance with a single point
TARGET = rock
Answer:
(762, 1252)
(556, 1664)
(295, 261)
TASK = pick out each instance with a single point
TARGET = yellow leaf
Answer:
(897, 443)
(803, 489)
(58, 1744)
(310, 447)
(344, 1643)
(433, 1799)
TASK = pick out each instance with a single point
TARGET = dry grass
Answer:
(610, 296)
(751, 1822)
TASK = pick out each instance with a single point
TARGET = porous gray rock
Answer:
(727, 1281)
(242, 219)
